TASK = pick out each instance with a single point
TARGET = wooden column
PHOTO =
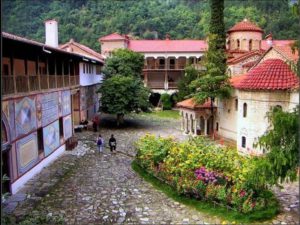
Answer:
(166, 74)
(38, 71)
(12, 69)
(26, 73)
(62, 71)
(55, 72)
(205, 126)
(69, 74)
(145, 78)
(47, 72)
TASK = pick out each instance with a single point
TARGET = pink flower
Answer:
(242, 193)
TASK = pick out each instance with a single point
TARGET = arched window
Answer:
(236, 104)
(250, 45)
(245, 110)
(243, 142)
(238, 44)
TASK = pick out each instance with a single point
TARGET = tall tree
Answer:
(184, 87)
(122, 90)
(214, 82)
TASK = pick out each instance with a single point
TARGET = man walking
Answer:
(112, 143)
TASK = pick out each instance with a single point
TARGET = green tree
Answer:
(122, 90)
(124, 62)
(121, 95)
(184, 87)
(280, 143)
(214, 82)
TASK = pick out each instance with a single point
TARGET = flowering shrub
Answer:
(205, 171)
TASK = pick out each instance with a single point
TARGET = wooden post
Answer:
(166, 73)
(12, 69)
(38, 72)
(47, 72)
(26, 73)
(69, 74)
(55, 72)
(62, 73)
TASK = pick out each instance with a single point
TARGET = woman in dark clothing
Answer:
(112, 143)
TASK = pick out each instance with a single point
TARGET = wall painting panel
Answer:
(51, 137)
(67, 121)
(25, 117)
(27, 152)
(49, 108)
(66, 102)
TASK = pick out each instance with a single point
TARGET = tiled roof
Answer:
(112, 37)
(90, 51)
(271, 74)
(265, 46)
(234, 81)
(167, 45)
(245, 25)
(28, 41)
(245, 56)
(249, 64)
(191, 104)
(287, 52)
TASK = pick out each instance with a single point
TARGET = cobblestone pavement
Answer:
(87, 187)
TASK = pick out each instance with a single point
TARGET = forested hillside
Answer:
(87, 20)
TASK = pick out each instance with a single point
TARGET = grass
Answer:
(206, 207)
(170, 114)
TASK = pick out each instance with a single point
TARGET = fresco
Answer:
(9, 114)
(51, 137)
(82, 98)
(66, 102)
(39, 110)
(27, 152)
(59, 104)
(49, 107)
(25, 116)
(67, 121)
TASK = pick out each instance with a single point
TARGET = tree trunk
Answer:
(120, 119)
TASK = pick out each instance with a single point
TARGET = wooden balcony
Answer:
(27, 83)
(156, 84)
(173, 85)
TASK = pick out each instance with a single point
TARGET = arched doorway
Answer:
(5, 140)
(202, 125)
(209, 126)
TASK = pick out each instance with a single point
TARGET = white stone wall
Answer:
(294, 100)
(89, 78)
(256, 123)
(244, 37)
(227, 117)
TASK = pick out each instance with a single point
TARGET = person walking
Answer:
(100, 143)
(112, 143)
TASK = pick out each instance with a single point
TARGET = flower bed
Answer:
(200, 169)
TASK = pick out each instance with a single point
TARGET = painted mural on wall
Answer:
(51, 137)
(25, 116)
(9, 113)
(82, 98)
(67, 122)
(39, 110)
(49, 107)
(27, 152)
(66, 102)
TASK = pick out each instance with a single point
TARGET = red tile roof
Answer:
(191, 104)
(265, 46)
(28, 41)
(88, 50)
(234, 81)
(287, 52)
(245, 25)
(271, 74)
(167, 45)
(112, 37)
(245, 56)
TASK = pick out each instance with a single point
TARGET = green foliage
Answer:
(124, 62)
(214, 82)
(201, 169)
(122, 95)
(184, 88)
(166, 101)
(87, 20)
(42, 219)
(281, 143)
(166, 114)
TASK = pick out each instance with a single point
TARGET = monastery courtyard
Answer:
(86, 187)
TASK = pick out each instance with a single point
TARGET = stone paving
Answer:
(86, 187)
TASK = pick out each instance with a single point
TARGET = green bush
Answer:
(203, 170)
(166, 101)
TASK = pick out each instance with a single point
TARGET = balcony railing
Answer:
(172, 85)
(156, 84)
(26, 83)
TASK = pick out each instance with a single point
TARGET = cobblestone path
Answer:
(86, 187)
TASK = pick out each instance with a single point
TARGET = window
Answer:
(250, 45)
(244, 142)
(238, 44)
(236, 104)
(245, 110)
(61, 128)
(40, 141)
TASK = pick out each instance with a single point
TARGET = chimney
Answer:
(51, 33)
(168, 36)
(269, 39)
